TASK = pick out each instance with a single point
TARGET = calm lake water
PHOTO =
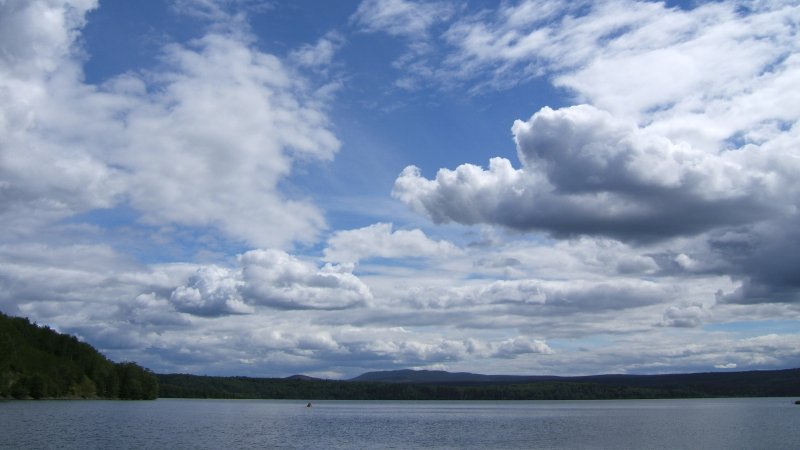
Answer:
(761, 423)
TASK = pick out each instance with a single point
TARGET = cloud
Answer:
(673, 138)
(692, 352)
(512, 348)
(36, 36)
(619, 50)
(531, 297)
(379, 241)
(203, 141)
(715, 76)
(173, 315)
(689, 316)
(230, 121)
(700, 74)
(414, 22)
(187, 317)
(91, 291)
(221, 13)
(763, 259)
(63, 276)
(277, 279)
(409, 350)
(400, 17)
(585, 172)
(319, 54)
(602, 245)
(35, 41)
(210, 291)
(269, 278)
(152, 311)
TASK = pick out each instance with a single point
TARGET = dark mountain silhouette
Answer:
(302, 378)
(443, 377)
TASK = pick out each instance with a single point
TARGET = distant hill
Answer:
(302, 378)
(440, 385)
(758, 383)
(443, 377)
(38, 362)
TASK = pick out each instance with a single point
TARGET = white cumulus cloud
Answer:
(379, 240)
(275, 278)
(585, 172)
(210, 291)
(202, 141)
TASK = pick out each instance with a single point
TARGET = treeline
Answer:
(38, 362)
(192, 386)
(745, 384)
(755, 383)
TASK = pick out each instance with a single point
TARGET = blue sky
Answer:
(240, 187)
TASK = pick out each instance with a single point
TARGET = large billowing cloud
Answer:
(203, 141)
(584, 172)
(686, 127)
(35, 40)
(212, 147)
(210, 291)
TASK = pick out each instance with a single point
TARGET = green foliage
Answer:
(135, 383)
(38, 362)
(741, 384)
(190, 386)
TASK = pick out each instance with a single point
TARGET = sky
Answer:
(268, 188)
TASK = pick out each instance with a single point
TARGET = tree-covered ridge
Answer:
(38, 362)
(774, 383)
(754, 383)
(192, 386)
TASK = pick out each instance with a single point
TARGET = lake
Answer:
(768, 423)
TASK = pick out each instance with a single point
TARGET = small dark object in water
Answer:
(308, 405)
(797, 402)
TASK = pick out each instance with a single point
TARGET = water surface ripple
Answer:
(768, 423)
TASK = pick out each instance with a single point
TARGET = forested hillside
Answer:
(754, 383)
(38, 362)
(193, 386)
(429, 385)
